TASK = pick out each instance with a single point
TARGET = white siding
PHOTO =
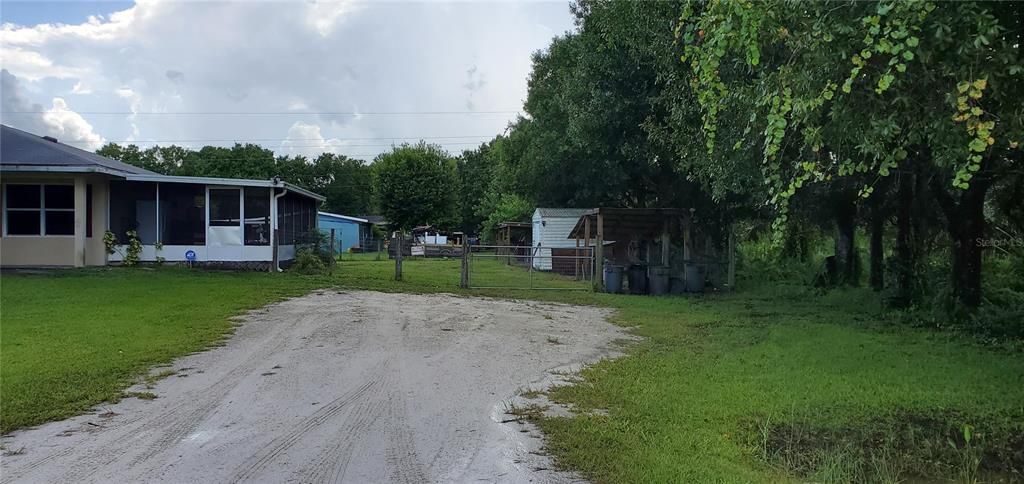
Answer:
(548, 233)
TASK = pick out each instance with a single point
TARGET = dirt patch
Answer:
(353, 387)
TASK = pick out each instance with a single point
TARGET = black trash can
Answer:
(638, 279)
(659, 280)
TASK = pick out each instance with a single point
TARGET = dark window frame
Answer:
(41, 210)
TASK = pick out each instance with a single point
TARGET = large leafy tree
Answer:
(416, 185)
(846, 94)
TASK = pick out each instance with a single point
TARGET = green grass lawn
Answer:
(74, 338)
(768, 384)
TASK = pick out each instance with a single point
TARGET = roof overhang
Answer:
(632, 223)
(344, 217)
(62, 169)
(242, 182)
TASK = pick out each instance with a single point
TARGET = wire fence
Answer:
(525, 267)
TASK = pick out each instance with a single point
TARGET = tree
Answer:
(475, 170)
(505, 207)
(854, 92)
(416, 185)
(346, 182)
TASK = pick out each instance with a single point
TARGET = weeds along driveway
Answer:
(331, 387)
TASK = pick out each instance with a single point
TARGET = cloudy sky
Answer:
(299, 77)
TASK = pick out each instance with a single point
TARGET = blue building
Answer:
(349, 232)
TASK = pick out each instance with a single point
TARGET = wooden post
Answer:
(332, 245)
(398, 256)
(599, 254)
(576, 270)
(464, 282)
(380, 243)
(590, 250)
(665, 244)
(276, 245)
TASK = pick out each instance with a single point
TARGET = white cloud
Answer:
(306, 139)
(67, 125)
(58, 121)
(312, 63)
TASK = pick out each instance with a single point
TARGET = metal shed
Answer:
(551, 227)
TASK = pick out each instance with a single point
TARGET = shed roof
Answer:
(375, 219)
(562, 212)
(515, 225)
(632, 223)
(23, 151)
(343, 217)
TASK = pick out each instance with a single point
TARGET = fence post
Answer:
(599, 255)
(398, 257)
(464, 282)
(275, 257)
(379, 243)
(332, 244)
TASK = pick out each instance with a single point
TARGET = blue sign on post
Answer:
(190, 256)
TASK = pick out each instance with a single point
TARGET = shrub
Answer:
(309, 263)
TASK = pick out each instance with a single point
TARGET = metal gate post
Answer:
(464, 281)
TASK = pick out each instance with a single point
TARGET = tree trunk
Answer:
(967, 249)
(877, 228)
(965, 223)
(845, 248)
(877, 257)
(905, 255)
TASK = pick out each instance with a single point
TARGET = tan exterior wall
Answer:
(56, 250)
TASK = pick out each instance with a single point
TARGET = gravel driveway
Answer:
(335, 387)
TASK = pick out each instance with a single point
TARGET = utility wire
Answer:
(270, 113)
(203, 140)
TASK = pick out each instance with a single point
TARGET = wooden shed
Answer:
(667, 243)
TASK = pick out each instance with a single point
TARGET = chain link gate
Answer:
(547, 268)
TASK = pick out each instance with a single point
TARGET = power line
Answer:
(204, 140)
(282, 140)
(270, 113)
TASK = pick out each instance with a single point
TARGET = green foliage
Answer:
(132, 250)
(504, 208)
(416, 185)
(308, 262)
(313, 253)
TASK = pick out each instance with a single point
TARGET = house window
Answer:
(59, 205)
(182, 214)
(225, 207)
(39, 209)
(257, 216)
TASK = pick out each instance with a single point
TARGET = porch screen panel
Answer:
(133, 207)
(182, 214)
(225, 210)
(257, 216)
(296, 218)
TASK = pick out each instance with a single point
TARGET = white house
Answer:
(551, 228)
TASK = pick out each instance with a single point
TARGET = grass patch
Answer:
(769, 384)
(877, 401)
(71, 339)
